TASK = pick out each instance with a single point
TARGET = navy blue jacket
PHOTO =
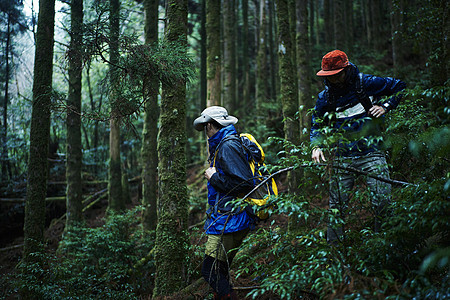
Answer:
(361, 132)
(232, 179)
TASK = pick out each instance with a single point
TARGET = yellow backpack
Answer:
(261, 195)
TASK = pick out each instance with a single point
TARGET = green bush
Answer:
(94, 263)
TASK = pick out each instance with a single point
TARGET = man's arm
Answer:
(384, 86)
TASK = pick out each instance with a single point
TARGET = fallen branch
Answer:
(350, 169)
(11, 248)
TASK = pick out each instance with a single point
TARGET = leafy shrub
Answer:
(94, 263)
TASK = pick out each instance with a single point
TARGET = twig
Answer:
(11, 248)
(351, 169)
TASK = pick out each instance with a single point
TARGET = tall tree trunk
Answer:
(39, 132)
(73, 148)
(377, 28)
(262, 92)
(316, 22)
(348, 10)
(150, 131)
(329, 22)
(245, 54)
(115, 201)
(288, 79)
(229, 16)
(203, 79)
(6, 168)
(303, 67)
(171, 236)
(340, 32)
(213, 52)
(396, 8)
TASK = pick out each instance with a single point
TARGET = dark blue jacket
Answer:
(232, 179)
(360, 130)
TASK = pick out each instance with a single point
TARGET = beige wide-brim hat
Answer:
(216, 113)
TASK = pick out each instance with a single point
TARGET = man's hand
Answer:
(210, 172)
(317, 154)
(376, 111)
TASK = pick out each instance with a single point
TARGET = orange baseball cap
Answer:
(333, 62)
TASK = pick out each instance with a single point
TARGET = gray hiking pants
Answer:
(342, 183)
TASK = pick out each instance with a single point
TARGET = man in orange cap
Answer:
(350, 105)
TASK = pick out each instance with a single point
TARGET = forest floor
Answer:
(11, 232)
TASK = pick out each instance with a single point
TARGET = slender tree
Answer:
(150, 131)
(303, 68)
(213, 52)
(73, 148)
(39, 132)
(171, 232)
(288, 79)
(203, 80)
(229, 37)
(245, 54)
(12, 20)
(339, 25)
(116, 201)
(262, 88)
(328, 22)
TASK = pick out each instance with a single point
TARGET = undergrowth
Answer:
(92, 263)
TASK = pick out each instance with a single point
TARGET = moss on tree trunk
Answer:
(39, 131)
(213, 59)
(171, 236)
(73, 149)
(150, 132)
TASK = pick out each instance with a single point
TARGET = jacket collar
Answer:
(219, 136)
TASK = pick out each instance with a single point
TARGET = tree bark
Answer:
(229, 16)
(288, 79)
(150, 131)
(262, 88)
(304, 69)
(340, 32)
(115, 196)
(329, 21)
(213, 52)
(245, 54)
(39, 132)
(74, 149)
(6, 168)
(171, 245)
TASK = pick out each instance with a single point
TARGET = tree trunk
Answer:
(203, 79)
(262, 92)
(115, 200)
(288, 79)
(340, 32)
(229, 16)
(273, 69)
(304, 69)
(150, 132)
(245, 54)
(213, 52)
(6, 168)
(171, 245)
(328, 20)
(74, 149)
(39, 132)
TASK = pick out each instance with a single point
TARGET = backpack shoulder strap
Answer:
(361, 93)
(227, 138)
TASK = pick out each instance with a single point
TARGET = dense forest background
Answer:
(102, 193)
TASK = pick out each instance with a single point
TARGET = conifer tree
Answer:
(116, 201)
(171, 232)
(73, 125)
(213, 63)
(39, 132)
(150, 131)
